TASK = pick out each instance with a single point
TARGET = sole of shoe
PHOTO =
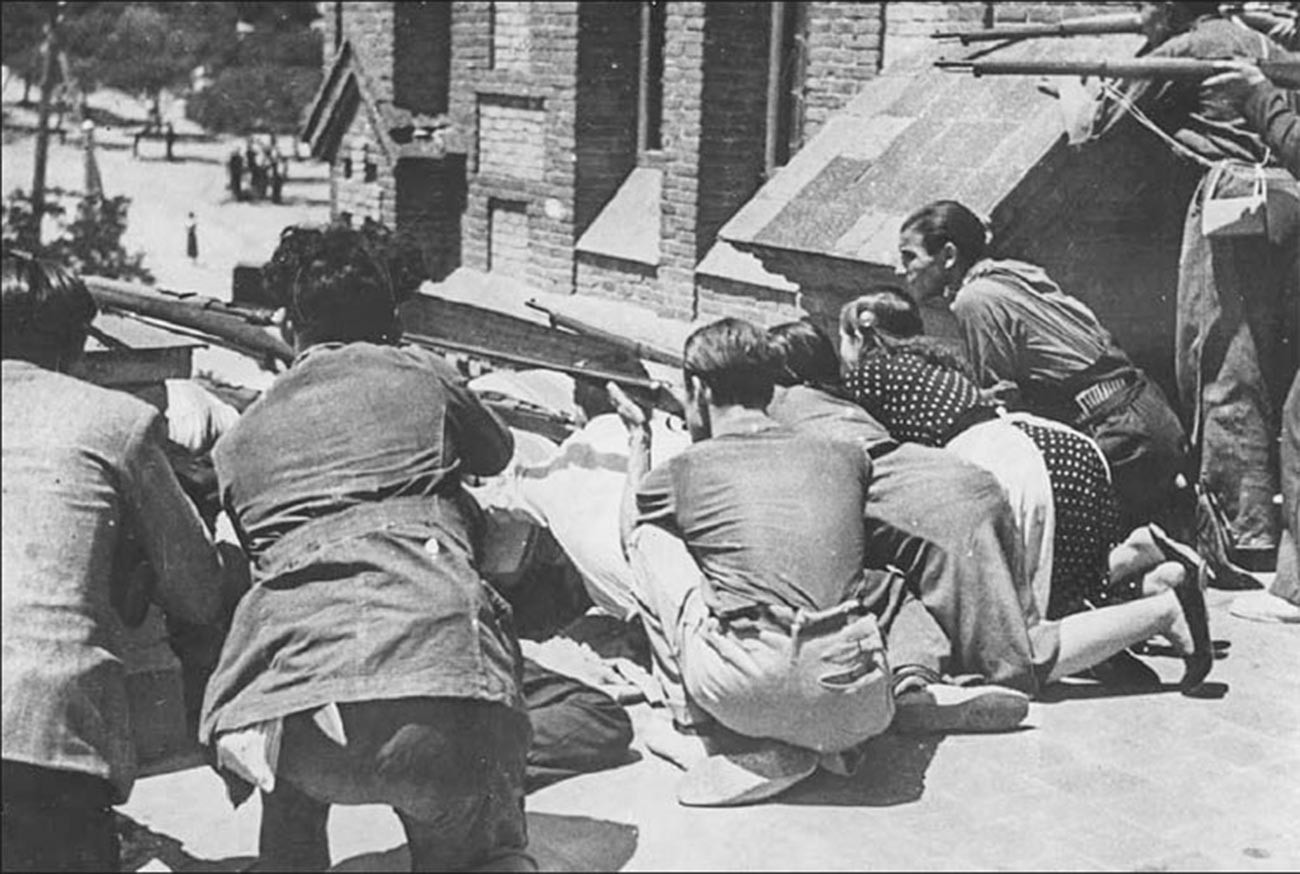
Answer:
(990, 711)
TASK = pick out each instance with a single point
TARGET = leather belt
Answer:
(1091, 398)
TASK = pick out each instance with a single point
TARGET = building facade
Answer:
(598, 148)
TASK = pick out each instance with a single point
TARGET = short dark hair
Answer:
(947, 221)
(805, 355)
(735, 359)
(336, 283)
(43, 306)
(1183, 13)
(893, 312)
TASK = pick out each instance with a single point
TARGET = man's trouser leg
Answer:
(56, 821)
(1233, 365)
(452, 769)
(576, 728)
(948, 527)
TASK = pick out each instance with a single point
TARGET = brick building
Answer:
(602, 147)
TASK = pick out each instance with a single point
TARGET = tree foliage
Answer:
(89, 243)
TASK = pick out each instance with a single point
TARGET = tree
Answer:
(20, 41)
(91, 243)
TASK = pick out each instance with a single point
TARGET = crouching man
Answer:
(369, 663)
(773, 641)
(83, 469)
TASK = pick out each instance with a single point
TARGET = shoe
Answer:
(1265, 607)
(733, 779)
(1125, 671)
(1197, 665)
(943, 708)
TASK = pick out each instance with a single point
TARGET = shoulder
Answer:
(983, 295)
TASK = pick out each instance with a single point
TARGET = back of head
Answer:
(46, 310)
(886, 309)
(735, 360)
(336, 285)
(805, 355)
(947, 221)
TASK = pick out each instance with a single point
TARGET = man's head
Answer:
(338, 288)
(46, 312)
(805, 355)
(1160, 21)
(729, 363)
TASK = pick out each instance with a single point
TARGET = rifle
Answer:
(637, 348)
(244, 330)
(1284, 73)
(1098, 24)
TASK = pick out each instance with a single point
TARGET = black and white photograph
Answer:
(650, 435)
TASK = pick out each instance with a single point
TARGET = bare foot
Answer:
(663, 739)
(1138, 554)
(1179, 634)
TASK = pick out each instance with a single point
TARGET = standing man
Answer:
(235, 167)
(83, 468)
(1236, 334)
(369, 663)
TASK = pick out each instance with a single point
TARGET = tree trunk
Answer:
(43, 127)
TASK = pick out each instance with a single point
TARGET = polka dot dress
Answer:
(919, 402)
(1087, 522)
(922, 402)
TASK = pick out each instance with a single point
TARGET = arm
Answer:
(638, 459)
(483, 441)
(1266, 107)
(187, 566)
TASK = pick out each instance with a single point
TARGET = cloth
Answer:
(364, 579)
(771, 516)
(1272, 113)
(1235, 354)
(81, 466)
(452, 770)
(196, 417)
(827, 693)
(1086, 527)
(1179, 108)
(56, 820)
(948, 523)
(1286, 585)
(576, 495)
(1019, 326)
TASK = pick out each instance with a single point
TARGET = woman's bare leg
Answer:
(1093, 636)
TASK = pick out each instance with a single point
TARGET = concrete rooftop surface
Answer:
(1095, 781)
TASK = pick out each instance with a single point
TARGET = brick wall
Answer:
(511, 37)
(842, 50)
(509, 241)
(511, 141)
(352, 194)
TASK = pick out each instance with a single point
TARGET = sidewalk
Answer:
(1153, 782)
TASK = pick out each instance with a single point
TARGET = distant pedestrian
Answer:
(277, 180)
(235, 167)
(170, 135)
(135, 143)
(192, 237)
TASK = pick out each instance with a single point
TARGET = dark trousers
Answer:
(576, 728)
(948, 527)
(56, 821)
(452, 769)
(1235, 357)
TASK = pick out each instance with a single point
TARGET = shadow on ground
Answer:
(558, 843)
(142, 845)
(892, 773)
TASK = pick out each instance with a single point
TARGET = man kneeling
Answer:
(774, 642)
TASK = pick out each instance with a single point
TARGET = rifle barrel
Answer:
(1125, 23)
(1285, 73)
(636, 347)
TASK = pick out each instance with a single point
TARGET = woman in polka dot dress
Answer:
(920, 391)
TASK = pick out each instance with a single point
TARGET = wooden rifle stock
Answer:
(1284, 73)
(1099, 24)
(637, 348)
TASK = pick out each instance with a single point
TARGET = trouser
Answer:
(947, 525)
(576, 728)
(1235, 356)
(1286, 585)
(451, 768)
(758, 676)
(1146, 448)
(56, 820)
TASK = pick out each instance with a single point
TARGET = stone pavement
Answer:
(1151, 782)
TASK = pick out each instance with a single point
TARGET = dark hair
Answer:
(947, 221)
(341, 283)
(897, 320)
(1182, 13)
(735, 360)
(43, 306)
(804, 355)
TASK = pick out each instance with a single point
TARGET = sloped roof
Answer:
(345, 90)
(912, 135)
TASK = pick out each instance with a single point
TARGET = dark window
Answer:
(338, 24)
(650, 106)
(786, 64)
(347, 168)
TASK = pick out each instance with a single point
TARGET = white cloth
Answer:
(196, 418)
